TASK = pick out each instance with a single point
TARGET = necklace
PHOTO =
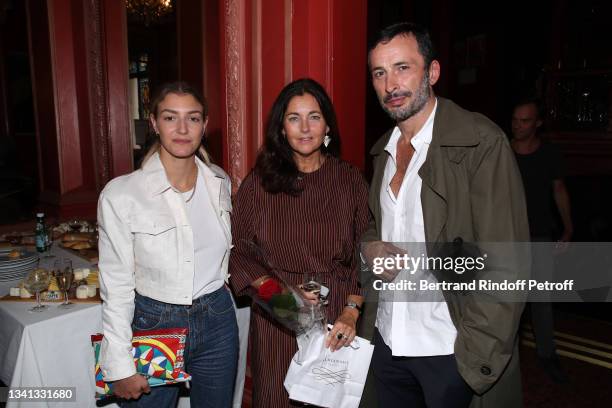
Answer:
(195, 185)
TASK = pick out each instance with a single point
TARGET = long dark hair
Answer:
(275, 164)
(177, 88)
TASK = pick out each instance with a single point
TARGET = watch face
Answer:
(353, 305)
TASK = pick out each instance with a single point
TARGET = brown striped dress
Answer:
(315, 232)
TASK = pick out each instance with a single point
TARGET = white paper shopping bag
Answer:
(328, 379)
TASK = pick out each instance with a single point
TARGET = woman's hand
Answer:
(131, 387)
(309, 297)
(344, 330)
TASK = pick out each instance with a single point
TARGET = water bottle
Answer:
(41, 233)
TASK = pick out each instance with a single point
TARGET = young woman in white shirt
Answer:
(164, 245)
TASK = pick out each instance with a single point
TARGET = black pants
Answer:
(414, 382)
(542, 320)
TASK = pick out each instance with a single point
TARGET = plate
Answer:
(16, 265)
(9, 267)
(26, 257)
(20, 276)
(13, 278)
(12, 268)
(9, 271)
(12, 272)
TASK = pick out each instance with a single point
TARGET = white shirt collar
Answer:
(424, 135)
(158, 180)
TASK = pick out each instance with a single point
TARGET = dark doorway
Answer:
(18, 149)
(153, 60)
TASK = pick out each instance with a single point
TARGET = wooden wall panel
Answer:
(44, 100)
(116, 82)
(78, 53)
(63, 59)
(190, 38)
(83, 108)
(348, 76)
(211, 66)
(234, 31)
(272, 59)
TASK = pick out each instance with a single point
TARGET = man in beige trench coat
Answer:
(442, 175)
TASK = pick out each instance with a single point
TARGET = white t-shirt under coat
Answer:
(208, 240)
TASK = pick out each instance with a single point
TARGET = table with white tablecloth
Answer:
(53, 348)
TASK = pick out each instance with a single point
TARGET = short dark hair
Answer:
(532, 100)
(420, 33)
(275, 164)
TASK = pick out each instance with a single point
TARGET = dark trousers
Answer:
(414, 382)
(542, 320)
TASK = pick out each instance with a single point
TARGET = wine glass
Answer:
(324, 291)
(313, 283)
(37, 281)
(64, 279)
(313, 313)
(310, 284)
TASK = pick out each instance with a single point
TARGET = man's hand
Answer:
(380, 249)
(131, 387)
(562, 244)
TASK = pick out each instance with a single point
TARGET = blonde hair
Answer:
(178, 88)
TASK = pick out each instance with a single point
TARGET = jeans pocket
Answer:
(221, 304)
(146, 321)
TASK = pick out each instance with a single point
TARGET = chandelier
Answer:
(148, 11)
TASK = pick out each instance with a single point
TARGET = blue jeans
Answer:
(211, 351)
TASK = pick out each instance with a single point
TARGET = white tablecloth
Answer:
(50, 348)
(53, 347)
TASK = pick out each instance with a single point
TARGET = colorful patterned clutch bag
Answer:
(158, 355)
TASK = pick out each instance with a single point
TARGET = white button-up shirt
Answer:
(146, 244)
(411, 327)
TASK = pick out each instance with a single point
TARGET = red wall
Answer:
(265, 44)
(78, 58)
(240, 52)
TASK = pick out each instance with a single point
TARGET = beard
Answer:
(421, 96)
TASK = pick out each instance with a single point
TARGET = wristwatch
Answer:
(354, 306)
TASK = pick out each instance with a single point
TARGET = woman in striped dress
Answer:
(306, 210)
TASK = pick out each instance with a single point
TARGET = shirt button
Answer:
(484, 370)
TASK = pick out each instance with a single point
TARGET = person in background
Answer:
(165, 239)
(441, 175)
(542, 171)
(306, 210)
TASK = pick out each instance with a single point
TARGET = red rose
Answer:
(269, 288)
